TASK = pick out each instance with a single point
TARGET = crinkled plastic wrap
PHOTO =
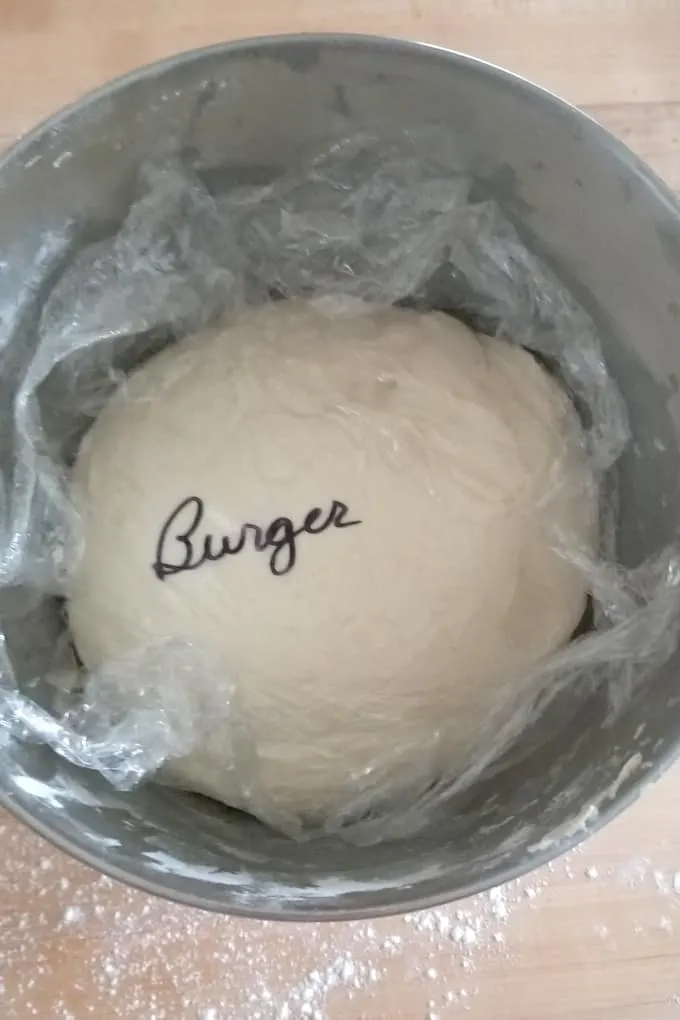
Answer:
(367, 221)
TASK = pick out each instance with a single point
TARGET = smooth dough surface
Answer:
(448, 450)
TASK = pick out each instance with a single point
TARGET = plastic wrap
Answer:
(367, 223)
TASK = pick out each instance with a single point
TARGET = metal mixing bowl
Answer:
(612, 231)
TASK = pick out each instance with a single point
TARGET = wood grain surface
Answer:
(597, 937)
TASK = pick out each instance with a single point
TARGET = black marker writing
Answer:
(181, 545)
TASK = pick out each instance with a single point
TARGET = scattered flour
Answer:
(73, 915)
(139, 958)
(151, 960)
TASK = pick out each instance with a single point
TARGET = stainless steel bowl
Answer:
(610, 228)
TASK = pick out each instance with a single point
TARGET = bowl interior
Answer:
(245, 113)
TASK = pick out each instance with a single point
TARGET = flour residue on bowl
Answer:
(156, 960)
(145, 958)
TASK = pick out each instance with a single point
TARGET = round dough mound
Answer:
(370, 635)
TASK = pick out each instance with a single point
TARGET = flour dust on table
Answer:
(147, 959)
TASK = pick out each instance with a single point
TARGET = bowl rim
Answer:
(600, 136)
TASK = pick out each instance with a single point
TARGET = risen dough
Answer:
(411, 624)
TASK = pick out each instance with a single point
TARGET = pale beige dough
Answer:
(413, 624)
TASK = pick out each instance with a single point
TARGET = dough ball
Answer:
(354, 516)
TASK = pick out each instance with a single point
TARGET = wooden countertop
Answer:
(597, 936)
